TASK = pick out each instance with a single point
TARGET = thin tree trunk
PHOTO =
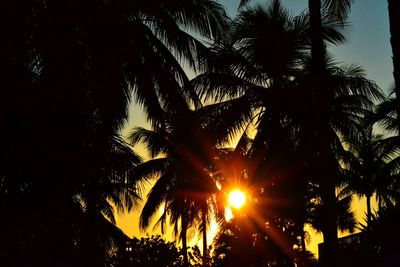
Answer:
(394, 19)
(184, 239)
(369, 213)
(204, 223)
(303, 241)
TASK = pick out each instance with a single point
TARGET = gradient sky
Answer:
(368, 45)
(368, 42)
(368, 38)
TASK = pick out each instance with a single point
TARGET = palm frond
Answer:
(156, 143)
(339, 9)
(155, 198)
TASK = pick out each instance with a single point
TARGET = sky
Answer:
(368, 46)
(368, 38)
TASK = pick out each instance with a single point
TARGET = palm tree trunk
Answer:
(329, 221)
(303, 241)
(394, 19)
(204, 223)
(317, 42)
(184, 239)
(92, 254)
(328, 193)
(369, 213)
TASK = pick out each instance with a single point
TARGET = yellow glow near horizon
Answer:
(236, 199)
(129, 221)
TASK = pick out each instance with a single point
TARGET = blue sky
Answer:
(368, 42)
(368, 38)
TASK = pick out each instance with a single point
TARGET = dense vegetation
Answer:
(308, 131)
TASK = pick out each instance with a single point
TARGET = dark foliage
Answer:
(68, 70)
(155, 251)
(244, 242)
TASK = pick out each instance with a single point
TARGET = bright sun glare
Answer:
(236, 198)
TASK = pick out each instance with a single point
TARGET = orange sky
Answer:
(129, 222)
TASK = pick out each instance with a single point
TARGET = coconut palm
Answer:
(337, 9)
(285, 103)
(76, 223)
(265, 50)
(352, 99)
(68, 69)
(373, 169)
(324, 124)
(260, 229)
(120, 47)
(184, 189)
(320, 10)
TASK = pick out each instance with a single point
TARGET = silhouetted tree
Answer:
(322, 94)
(373, 167)
(345, 220)
(68, 69)
(184, 189)
(381, 239)
(394, 20)
(282, 104)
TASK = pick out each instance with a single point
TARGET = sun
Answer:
(236, 198)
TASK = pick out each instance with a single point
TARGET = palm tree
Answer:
(337, 9)
(109, 186)
(318, 11)
(261, 233)
(373, 169)
(266, 49)
(75, 223)
(286, 103)
(68, 69)
(184, 189)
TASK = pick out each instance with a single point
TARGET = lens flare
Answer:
(236, 199)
